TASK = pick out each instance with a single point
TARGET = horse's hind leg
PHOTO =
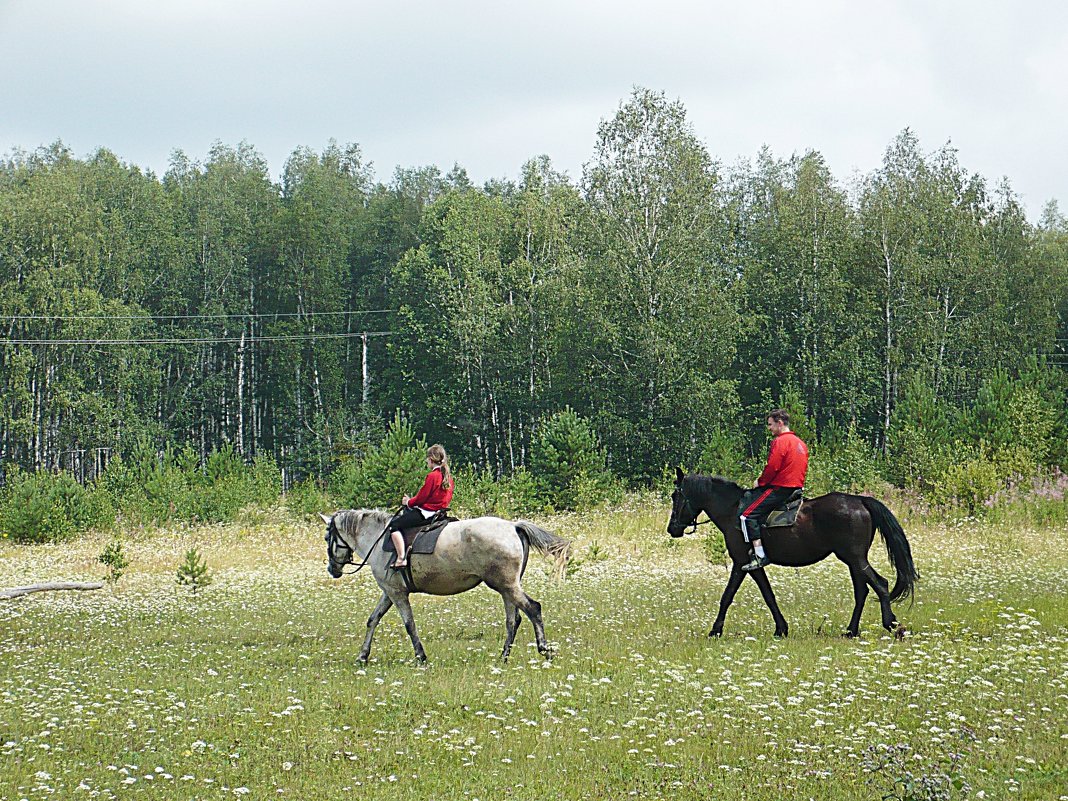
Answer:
(879, 584)
(532, 609)
(404, 607)
(511, 625)
(384, 604)
(860, 595)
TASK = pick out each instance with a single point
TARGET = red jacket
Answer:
(433, 496)
(787, 462)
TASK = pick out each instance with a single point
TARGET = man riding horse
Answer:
(784, 474)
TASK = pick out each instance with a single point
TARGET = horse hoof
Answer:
(851, 635)
(716, 632)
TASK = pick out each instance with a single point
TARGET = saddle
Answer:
(785, 515)
(423, 538)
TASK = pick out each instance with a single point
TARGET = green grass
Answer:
(251, 688)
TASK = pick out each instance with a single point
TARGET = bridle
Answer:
(696, 512)
(334, 539)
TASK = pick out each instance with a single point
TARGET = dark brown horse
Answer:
(835, 523)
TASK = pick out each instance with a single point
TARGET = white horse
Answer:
(468, 552)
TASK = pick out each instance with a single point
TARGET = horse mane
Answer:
(349, 520)
(712, 484)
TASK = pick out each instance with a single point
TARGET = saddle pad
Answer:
(425, 537)
(784, 516)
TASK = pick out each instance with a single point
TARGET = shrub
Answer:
(840, 462)
(511, 496)
(395, 468)
(307, 499)
(50, 507)
(193, 572)
(172, 486)
(723, 455)
(568, 463)
(113, 558)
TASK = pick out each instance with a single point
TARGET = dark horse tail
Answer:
(556, 548)
(897, 547)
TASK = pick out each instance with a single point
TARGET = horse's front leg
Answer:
(384, 603)
(404, 607)
(725, 601)
(761, 578)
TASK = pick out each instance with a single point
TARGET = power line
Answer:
(245, 316)
(197, 340)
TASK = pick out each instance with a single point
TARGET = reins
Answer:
(335, 536)
(696, 515)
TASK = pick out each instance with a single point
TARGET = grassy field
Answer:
(251, 688)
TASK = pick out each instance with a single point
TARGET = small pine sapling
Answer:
(193, 572)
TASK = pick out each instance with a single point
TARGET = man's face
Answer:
(775, 427)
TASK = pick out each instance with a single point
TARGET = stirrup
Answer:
(755, 563)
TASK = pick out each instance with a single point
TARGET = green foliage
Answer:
(479, 493)
(49, 507)
(723, 455)
(1013, 415)
(193, 572)
(172, 487)
(841, 462)
(114, 559)
(662, 295)
(904, 775)
(396, 467)
(307, 499)
(568, 463)
(713, 546)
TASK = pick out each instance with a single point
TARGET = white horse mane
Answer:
(350, 521)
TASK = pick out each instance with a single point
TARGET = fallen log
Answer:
(15, 592)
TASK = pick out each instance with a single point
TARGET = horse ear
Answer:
(679, 475)
(325, 518)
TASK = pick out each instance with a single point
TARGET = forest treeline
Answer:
(912, 318)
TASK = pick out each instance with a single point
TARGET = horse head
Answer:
(338, 551)
(683, 513)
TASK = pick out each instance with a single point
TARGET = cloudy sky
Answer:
(489, 85)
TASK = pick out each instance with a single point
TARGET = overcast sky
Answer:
(489, 85)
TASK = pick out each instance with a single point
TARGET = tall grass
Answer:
(251, 689)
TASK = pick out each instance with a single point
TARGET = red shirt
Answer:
(787, 462)
(433, 496)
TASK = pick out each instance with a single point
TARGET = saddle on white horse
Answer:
(423, 538)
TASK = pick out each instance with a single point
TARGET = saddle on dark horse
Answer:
(422, 538)
(785, 515)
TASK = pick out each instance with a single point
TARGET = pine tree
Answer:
(193, 572)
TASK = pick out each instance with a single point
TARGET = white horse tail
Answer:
(556, 548)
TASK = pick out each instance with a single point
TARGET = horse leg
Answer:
(761, 578)
(511, 625)
(384, 603)
(404, 607)
(733, 583)
(513, 593)
(860, 595)
(532, 609)
(882, 589)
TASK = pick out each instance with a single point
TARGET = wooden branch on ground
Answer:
(15, 592)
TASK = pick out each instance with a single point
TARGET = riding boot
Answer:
(755, 562)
